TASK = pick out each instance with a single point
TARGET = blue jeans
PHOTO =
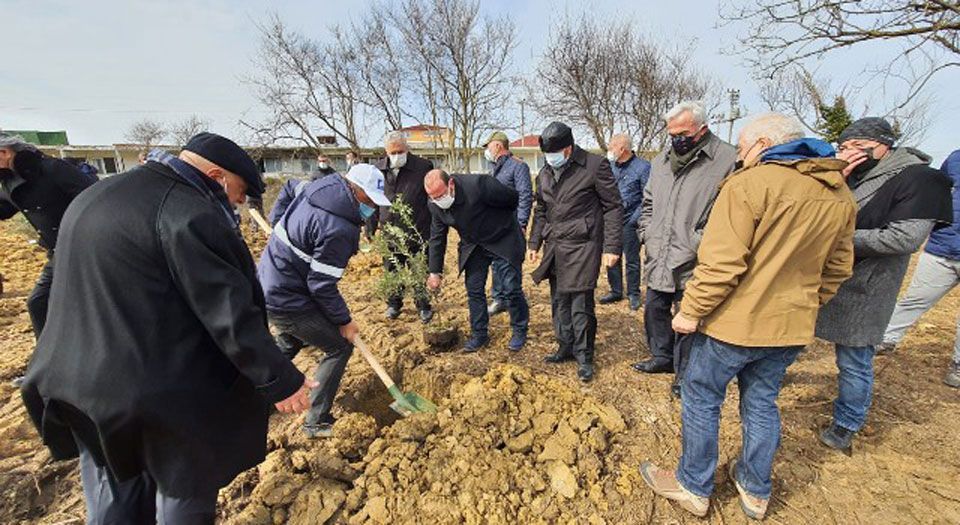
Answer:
(759, 370)
(855, 364)
(631, 259)
(475, 279)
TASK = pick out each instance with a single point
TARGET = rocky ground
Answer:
(519, 441)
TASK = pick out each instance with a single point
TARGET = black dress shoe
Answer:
(635, 302)
(393, 312)
(585, 372)
(559, 357)
(654, 366)
(610, 298)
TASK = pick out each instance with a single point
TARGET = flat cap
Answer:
(555, 137)
(228, 155)
(498, 136)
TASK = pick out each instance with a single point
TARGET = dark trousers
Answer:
(631, 258)
(421, 298)
(137, 500)
(574, 322)
(298, 329)
(665, 345)
(498, 267)
(39, 296)
(475, 279)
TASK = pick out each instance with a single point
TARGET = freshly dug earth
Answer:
(520, 441)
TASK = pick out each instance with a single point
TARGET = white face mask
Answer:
(488, 155)
(323, 165)
(444, 202)
(555, 159)
(612, 157)
(398, 160)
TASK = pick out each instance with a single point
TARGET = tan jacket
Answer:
(777, 246)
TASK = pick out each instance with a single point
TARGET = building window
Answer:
(109, 165)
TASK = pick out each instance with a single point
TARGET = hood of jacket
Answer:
(333, 195)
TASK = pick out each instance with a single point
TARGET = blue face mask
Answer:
(555, 159)
(366, 211)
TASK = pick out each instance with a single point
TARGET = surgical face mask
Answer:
(323, 165)
(555, 159)
(488, 155)
(366, 211)
(612, 157)
(398, 160)
(866, 165)
(444, 202)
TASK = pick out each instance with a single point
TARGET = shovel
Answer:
(405, 403)
(261, 222)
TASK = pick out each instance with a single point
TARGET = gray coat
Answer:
(674, 210)
(858, 314)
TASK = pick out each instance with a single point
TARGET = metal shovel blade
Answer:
(408, 403)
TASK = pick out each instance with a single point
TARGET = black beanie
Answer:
(869, 128)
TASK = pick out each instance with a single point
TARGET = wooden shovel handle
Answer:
(374, 364)
(261, 222)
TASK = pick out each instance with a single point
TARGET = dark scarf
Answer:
(205, 185)
(678, 162)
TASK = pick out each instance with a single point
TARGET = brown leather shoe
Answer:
(664, 483)
(755, 508)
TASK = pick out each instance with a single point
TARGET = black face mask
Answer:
(866, 165)
(738, 165)
(682, 144)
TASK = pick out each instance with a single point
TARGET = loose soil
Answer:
(520, 441)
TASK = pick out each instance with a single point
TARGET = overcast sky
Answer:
(94, 67)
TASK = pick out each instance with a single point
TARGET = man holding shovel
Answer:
(300, 268)
(484, 212)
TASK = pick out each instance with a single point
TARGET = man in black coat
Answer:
(39, 187)
(403, 174)
(484, 212)
(156, 366)
(577, 220)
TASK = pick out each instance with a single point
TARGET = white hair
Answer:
(625, 139)
(776, 127)
(395, 137)
(695, 107)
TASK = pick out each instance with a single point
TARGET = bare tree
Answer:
(783, 33)
(184, 130)
(467, 59)
(376, 52)
(605, 78)
(305, 89)
(146, 132)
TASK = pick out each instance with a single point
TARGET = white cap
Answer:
(370, 180)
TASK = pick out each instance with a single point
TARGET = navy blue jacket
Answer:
(945, 240)
(322, 224)
(515, 174)
(289, 191)
(631, 177)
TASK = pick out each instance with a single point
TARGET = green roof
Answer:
(41, 138)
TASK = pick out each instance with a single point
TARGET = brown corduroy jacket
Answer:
(777, 246)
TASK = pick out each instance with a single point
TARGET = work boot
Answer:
(476, 342)
(392, 312)
(953, 375)
(885, 348)
(517, 342)
(426, 315)
(559, 356)
(635, 302)
(753, 506)
(664, 483)
(837, 437)
(654, 366)
(610, 298)
(496, 307)
(585, 372)
(323, 428)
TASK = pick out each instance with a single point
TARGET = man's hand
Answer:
(349, 331)
(434, 281)
(533, 256)
(610, 260)
(684, 325)
(854, 158)
(300, 400)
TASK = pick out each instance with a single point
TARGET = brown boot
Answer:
(664, 483)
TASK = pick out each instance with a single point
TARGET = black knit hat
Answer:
(869, 128)
(228, 155)
(555, 137)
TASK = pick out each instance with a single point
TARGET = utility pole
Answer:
(733, 114)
